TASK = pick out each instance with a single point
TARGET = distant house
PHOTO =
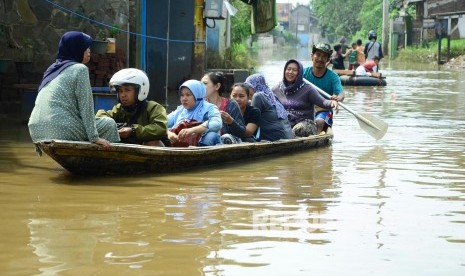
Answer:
(433, 18)
(304, 24)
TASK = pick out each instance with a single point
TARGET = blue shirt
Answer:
(329, 82)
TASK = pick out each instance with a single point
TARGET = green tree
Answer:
(350, 18)
(237, 56)
(371, 17)
(338, 18)
(241, 22)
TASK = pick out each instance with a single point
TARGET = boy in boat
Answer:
(326, 80)
(139, 121)
(369, 68)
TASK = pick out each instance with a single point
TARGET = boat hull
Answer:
(362, 81)
(84, 158)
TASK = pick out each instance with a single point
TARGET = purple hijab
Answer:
(258, 83)
(70, 51)
(290, 88)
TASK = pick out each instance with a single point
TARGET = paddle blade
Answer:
(372, 125)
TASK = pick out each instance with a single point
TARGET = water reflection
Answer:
(272, 210)
(102, 228)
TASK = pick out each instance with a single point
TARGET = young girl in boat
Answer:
(194, 107)
(64, 108)
(241, 94)
(299, 99)
(274, 124)
(140, 121)
(368, 68)
(233, 124)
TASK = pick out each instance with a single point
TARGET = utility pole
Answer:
(385, 34)
(198, 65)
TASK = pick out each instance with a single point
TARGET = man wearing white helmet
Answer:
(139, 121)
(373, 48)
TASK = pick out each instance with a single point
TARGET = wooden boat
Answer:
(348, 77)
(89, 159)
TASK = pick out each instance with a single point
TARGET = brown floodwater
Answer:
(358, 207)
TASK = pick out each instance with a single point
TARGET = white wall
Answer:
(461, 24)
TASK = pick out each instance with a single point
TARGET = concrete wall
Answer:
(461, 25)
(265, 41)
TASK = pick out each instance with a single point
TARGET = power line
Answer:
(118, 29)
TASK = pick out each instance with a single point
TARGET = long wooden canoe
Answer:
(90, 159)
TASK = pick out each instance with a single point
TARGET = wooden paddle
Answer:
(344, 72)
(369, 123)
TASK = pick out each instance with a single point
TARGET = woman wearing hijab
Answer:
(274, 124)
(299, 99)
(64, 108)
(194, 108)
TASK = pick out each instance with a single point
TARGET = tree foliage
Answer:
(371, 16)
(350, 18)
(337, 18)
(241, 22)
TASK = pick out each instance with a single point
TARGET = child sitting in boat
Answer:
(139, 121)
(369, 68)
(241, 94)
(194, 109)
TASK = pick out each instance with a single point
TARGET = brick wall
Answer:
(103, 66)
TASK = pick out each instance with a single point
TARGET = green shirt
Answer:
(353, 57)
(150, 125)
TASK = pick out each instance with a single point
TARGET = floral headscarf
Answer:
(258, 83)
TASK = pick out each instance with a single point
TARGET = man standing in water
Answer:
(373, 48)
(326, 80)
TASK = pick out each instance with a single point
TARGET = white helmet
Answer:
(132, 76)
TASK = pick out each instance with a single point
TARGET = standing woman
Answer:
(274, 124)
(64, 108)
(299, 99)
(241, 94)
(194, 108)
(233, 123)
